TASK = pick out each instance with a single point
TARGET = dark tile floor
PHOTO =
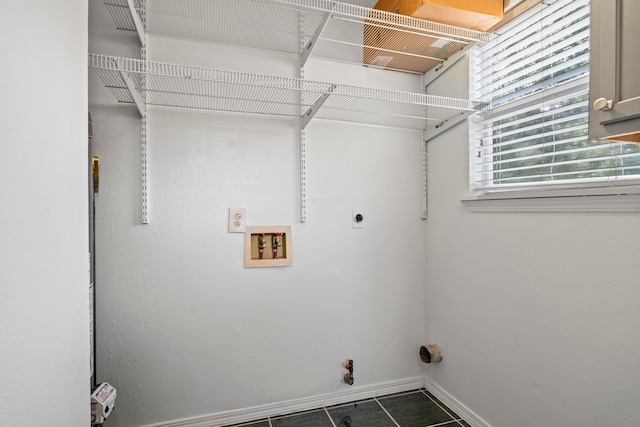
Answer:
(417, 408)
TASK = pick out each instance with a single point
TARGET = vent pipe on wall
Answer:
(430, 353)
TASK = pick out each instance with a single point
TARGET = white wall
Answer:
(537, 314)
(184, 329)
(44, 278)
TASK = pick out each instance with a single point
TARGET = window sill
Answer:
(619, 199)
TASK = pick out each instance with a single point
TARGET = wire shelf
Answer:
(173, 85)
(326, 28)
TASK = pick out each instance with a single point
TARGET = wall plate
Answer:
(237, 220)
(358, 217)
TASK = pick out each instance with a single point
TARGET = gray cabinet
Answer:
(615, 69)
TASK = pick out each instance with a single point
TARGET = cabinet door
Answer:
(615, 68)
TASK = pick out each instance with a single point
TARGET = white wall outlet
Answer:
(358, 218)
(237, 220)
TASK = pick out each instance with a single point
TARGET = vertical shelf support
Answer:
(303, 176)
(425, 182)
(303, 143)
(144, 175)
(425, 189)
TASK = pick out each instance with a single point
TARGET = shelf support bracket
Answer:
(439, 69)
(446, 124)
(306, 50)
(137, 98)
(137, 22)
(308, 115)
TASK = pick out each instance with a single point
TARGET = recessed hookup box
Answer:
(267, 246)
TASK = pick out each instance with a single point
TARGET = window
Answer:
(535, 76)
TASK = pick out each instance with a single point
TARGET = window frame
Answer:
(593, 195)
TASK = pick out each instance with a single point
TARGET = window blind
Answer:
(535, 76)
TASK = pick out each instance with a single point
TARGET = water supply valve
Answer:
(347, 375)
(262, 243)
(276, 242)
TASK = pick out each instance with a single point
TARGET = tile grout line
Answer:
(402, 393)
(439, 406)
(269, 419)
(385, 411)
(443, 423)
(330, 419)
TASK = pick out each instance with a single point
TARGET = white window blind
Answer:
(535, 76)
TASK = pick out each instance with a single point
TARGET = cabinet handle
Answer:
(603, 104)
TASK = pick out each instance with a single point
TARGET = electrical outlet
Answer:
(237, 220)
(357, 218)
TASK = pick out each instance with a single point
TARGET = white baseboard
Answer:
(455, 405)
(303, 404)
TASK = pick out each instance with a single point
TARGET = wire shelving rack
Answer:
(173, 85)
(323, 28)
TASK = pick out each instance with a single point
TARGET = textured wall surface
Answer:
(537, 314)
(184, 329)
(44, 277)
